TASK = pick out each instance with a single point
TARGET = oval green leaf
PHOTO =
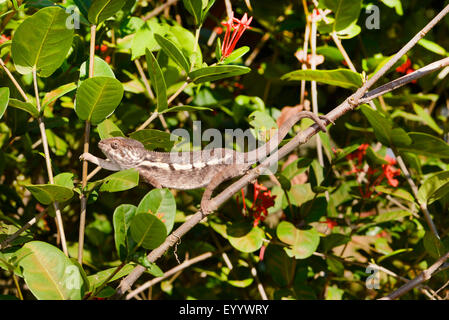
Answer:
(42, 42)
(4, 100)
(173, 52)
(147, 231)
(100, 10)
(122, 220)
(157, 81)
(154, 139)
(343, 78)
(346, 12)
(244, 237)
(434, 188)
(97, 98)
(427, 145)
(49, 193)
(216, 73)
(303, 243)
(160, 203)
(25, 106)
(49, 274)
(121, 181)
(101, 69)
(108, 129)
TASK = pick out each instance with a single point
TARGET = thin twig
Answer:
(83, 198)
(169, 273)
(423, 277)
(25, 227)
(158, 10)
(41, 123)
(414, 188)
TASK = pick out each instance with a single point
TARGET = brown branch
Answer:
(172, 271)
(158, 10)
(348, 105)
(423, 277)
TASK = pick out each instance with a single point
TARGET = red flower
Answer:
(404, 67)
(262, 201)
(391, 172)
(331, 223)
(4, 38)
(230, 40)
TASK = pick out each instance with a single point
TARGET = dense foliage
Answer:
(354, 213)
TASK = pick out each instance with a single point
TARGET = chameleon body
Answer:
(189, 170)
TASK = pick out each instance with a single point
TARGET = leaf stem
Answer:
(83, 197)
(41, 123)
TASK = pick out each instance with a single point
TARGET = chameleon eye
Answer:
(114, 145)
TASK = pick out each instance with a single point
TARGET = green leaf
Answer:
(154, 139)
(396, 192)
(121, 181)
(346, 12)
(160, 203)
(432, 47)
(101, 10)
(434, 188)
(427, 145)
(42, 41)
(25, 106)
(101, 69)
(236, 54)
(244, 237)
(4, 100)
(99, 278)
(144, 38)
(303, 243)
(141, 258)
(108, 129)
(123, 215)
(65, 179)
(49, 274)
(186, 108)
(49, 193)
(97, 98)
(391, 216)
(216, 73)
(340, 77)
(195, 8)
(434, 247)
(147, 231)
(173, 52)
(54, 95)
(157, 81)
(427, 118)
(383, 129)
(84, 6)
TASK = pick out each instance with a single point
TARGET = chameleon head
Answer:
(125, 152)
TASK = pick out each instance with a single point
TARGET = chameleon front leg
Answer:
(104, 163)
(225, 174)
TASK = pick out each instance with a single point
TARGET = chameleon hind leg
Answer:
(225, 174)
